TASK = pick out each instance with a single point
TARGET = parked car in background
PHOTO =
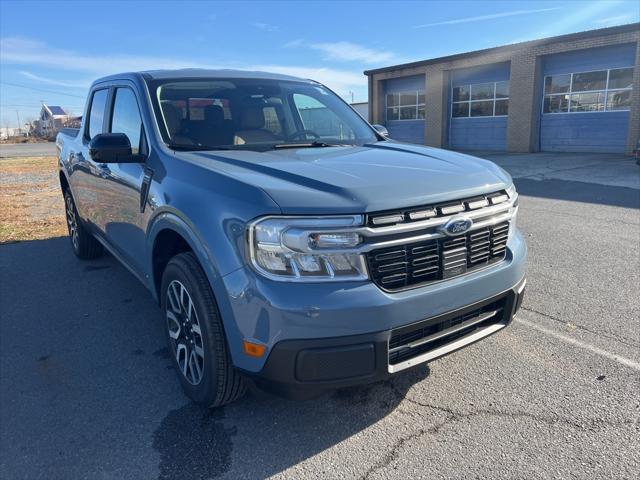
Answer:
(287, 241)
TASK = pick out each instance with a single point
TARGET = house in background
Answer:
(52, 118)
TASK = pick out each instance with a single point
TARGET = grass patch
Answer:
(31, 204)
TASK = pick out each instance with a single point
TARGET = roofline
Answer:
(512, 47)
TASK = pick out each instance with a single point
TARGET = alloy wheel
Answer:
(184, 332)
(72, 221)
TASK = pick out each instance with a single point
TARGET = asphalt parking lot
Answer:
(87, 389)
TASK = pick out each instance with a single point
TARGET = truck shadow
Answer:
(260, 437)
(87, 377)
(579, 192)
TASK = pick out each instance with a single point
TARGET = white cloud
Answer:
(348, 52)
(23, 51)
(52, 81)
(267, 27)
(481, 18)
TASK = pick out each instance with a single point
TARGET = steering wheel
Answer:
(304, 132)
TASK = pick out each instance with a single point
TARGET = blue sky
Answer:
(51, 51)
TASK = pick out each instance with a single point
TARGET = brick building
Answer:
(572, 93)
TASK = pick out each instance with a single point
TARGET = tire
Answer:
(84, 245)
(193, 328)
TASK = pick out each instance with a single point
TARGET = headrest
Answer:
(252, 117)
(172, 116)
(213, 115)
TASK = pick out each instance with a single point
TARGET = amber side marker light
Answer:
(253, 349)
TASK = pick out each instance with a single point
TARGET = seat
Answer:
(252, 127)
(173, 120)
(213, 129)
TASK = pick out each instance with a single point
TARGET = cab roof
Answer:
(201, 73)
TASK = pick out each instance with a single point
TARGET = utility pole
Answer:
(19, 124)
(351, 93)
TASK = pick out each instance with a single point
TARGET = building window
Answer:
(480, 100)
(405, 106)
(597, 91)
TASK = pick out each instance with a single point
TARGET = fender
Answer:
(172, 220)
(168, 218)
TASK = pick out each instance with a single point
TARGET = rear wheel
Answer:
(84, 245)
(196, 338)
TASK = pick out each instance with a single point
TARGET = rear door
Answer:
(85, 176)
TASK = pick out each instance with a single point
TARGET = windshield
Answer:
(254, 114)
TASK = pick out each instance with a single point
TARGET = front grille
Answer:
(421, 263)
(413, 340)
(438, 210)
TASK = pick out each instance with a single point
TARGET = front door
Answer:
(122, 221)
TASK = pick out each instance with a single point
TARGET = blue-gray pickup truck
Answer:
(290, 244)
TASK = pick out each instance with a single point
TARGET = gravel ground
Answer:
(87, 389)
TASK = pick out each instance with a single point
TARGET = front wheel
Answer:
(196, 338)
(84, 245)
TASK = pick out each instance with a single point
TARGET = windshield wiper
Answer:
(309, 145)
(185, 147)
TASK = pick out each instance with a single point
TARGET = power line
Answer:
(41, 89)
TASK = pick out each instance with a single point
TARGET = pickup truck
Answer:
(290, 244)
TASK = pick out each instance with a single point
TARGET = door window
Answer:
(126, 117)
(96, 115)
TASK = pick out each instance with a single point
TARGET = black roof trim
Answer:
(512, 47)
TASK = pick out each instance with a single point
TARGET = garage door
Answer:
(404, 108)
(479, 107)
(586, 100)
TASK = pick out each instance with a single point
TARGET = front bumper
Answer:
(306, 368)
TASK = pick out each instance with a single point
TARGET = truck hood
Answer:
(375, 177)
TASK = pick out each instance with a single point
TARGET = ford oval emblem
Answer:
(457, 226)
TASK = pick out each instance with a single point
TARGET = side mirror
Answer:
(381, 129)
(112, 148)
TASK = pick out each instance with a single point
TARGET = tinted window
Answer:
(126, 117)
(587, 102)
(502, 107)
(96, 116)
(460, 109)
(502, 89)
(619, 100)
(481, 91)
(556, 103)
(408, 98)
(557, 83)
(461, 93)
(589, 81)
(621, 78)
(482, 109)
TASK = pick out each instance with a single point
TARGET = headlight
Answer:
(307, 249)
